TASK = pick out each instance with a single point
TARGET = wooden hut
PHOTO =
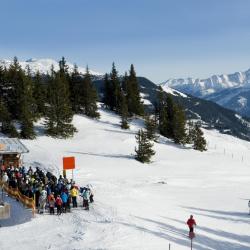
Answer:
(11, 150)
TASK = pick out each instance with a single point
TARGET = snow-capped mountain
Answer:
(44, 65)
(203, 87)
(230, 91)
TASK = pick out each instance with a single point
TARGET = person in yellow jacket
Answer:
(74, 193)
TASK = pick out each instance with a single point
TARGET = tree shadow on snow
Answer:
(104, 155)
(18, 213)
(245, 239)
(180, 236)
(120, 131)
(221, 215)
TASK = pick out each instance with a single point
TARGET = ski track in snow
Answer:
(139, 206)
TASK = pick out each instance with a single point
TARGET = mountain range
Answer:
(44, 66)
(211, 114)
(231, 91)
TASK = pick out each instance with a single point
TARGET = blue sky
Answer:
(163, 38)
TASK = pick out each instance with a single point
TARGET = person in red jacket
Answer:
(59, 204)
(191, 223)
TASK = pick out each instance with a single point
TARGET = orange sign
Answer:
(68, 163)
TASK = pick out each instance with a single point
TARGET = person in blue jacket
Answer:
(64, 197)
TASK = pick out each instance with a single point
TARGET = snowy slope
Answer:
(44, 65)
(140, 206)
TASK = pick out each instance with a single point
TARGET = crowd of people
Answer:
(47, 191)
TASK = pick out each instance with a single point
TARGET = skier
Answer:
(191, 223)
(86, 195)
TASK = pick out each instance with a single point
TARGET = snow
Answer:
(242, 101)
(213, 84)
(139, 206)
(173, 91)
(144, 99)
(43, 65)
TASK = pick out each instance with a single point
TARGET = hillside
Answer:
(212, 114)
(139, 206)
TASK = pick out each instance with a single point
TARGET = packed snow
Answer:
(139, 206)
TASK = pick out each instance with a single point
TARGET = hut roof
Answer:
(12, 146)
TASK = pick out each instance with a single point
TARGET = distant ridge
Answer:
(43, 65)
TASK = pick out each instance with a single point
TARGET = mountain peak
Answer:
(203, 87)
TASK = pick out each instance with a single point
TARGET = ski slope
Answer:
(139, 206)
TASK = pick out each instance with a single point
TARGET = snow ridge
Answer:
(215, 83)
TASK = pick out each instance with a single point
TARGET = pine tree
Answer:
(115, 89)
(75, 86)
(135, 105)
(124, 112)
(6, 125)
(15, 76)
(3, 82)
(171, 112)
(88, 98)
(27, 107)
(199, 140)
(151, 128)
(107, 92)
(190, 133)
(39, 95)
(59, 114)
(179, 125)
(144, 152)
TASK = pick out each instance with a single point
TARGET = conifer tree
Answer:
(135, 105)
(6, 125)
(190, 133)
(144, 151)
(199, 140)
(59, 114)
(171, 112)
(88, 98)
(151, 128)
(124, 112)
(75, 86)
(27, 107)
(107, 92)
(3, 83)
(115, 89)
(39, 95)
(179, 125)
(15, 76)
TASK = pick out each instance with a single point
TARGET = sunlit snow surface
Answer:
(139, 206)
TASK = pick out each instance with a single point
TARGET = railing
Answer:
(15, 193)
